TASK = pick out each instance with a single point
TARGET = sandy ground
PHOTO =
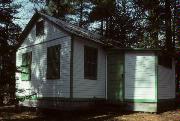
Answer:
(11, 114)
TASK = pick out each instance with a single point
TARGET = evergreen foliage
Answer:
(8, 44)
(127, 23)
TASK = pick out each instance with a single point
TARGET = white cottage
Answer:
(61, 62)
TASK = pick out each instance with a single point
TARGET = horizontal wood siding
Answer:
(140, 76)
(50, 33)
(166, 82)
(38, 46)
(84, 88)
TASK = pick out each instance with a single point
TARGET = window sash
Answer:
(53, 62)
(40, 28)
(26, 66)
(90, 63)
(165, 61)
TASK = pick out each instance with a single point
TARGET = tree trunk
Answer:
(81, 14)
(102, 27)
(168, 42)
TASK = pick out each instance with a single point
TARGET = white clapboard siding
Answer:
(140, 76)
(24, 85)
(166, 82)
(51, 32)
(84, 88)
(38, 46)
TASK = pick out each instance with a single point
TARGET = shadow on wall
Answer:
(39, 84)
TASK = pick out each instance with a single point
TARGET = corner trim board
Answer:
(106, 78)
(124, 75)
(71, 67)
(156, 78)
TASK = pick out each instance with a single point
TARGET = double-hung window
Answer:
(53, 62)
(165, 61)
(26, 66)
(90, 62)
(40, 28)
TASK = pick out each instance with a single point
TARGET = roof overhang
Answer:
(69, 28)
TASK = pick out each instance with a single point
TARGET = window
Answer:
(53, 62)
(40, 28)
(26, 66)
(90, 63)
(165, 61)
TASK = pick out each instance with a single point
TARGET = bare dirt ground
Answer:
(12, 114)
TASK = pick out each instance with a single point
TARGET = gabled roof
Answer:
(70, 28)
(74, 29)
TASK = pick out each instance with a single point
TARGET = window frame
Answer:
(40, 28)
(50, 61)
(28, 66)
(90, 62)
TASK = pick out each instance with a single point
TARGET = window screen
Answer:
(90, 63)
(53, 62)
(40, 28)
(26, 66)
(165, 61)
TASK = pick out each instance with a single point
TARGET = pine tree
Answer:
(117, 22)
(168, 25)
(8, 42)
(82, 9)
(134, 23)
(159, 22)
(103, 12)
(74, 11)
(59, 8)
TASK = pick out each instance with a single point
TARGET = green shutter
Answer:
(26, 66)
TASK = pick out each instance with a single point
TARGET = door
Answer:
(115, 69)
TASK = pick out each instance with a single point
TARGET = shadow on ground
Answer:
(98, 114)
(15, 114)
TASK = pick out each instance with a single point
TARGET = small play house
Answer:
(60, 62)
